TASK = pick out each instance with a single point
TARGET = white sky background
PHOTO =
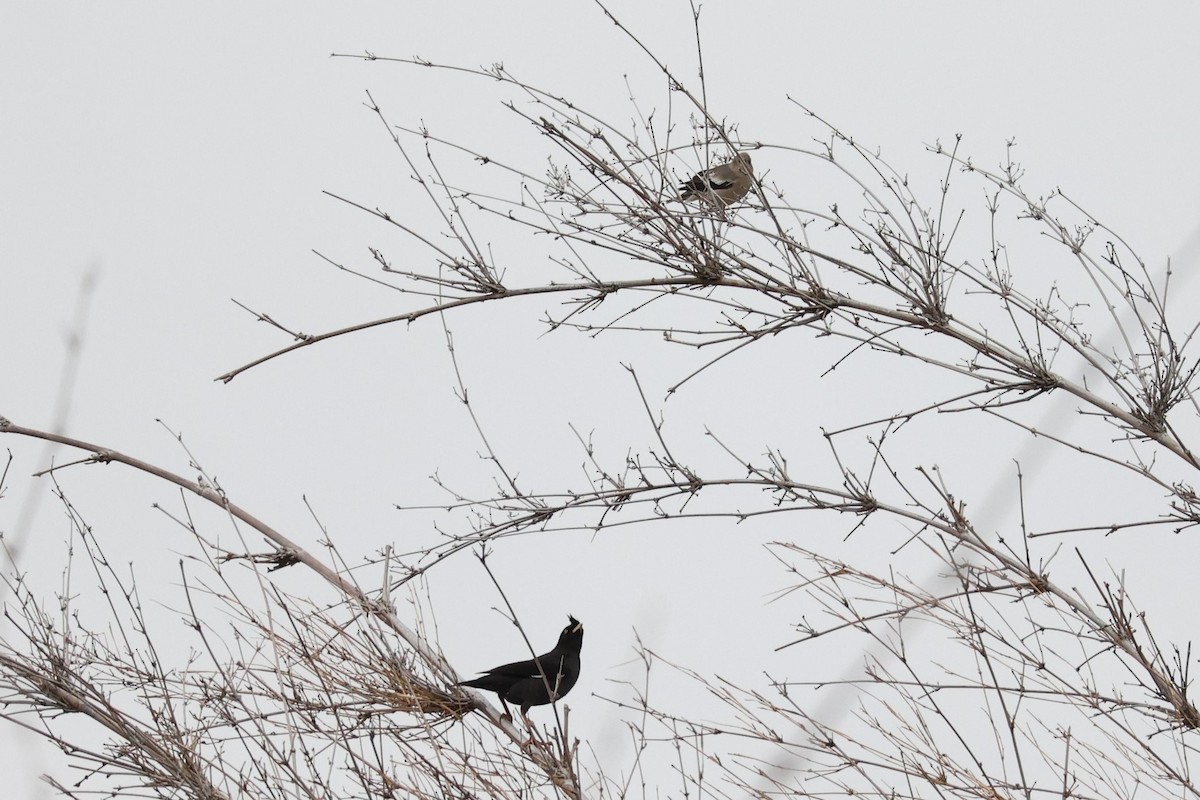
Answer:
(180, 152)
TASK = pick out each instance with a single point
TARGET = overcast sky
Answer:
(178, 154)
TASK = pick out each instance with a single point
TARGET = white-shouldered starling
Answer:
(721, 185)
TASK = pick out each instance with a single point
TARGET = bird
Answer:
(540, 680)
(721, 185)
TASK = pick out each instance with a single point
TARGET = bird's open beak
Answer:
(576, 625)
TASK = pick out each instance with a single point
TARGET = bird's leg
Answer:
(507, 711)
(533, 737)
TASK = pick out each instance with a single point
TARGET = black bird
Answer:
(540, 680)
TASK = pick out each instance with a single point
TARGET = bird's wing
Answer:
(522, 669)
(716, 178)
(721, 177)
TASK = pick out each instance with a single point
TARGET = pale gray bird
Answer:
(721, 185)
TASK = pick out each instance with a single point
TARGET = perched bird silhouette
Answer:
(540, 680)
(722, 185)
